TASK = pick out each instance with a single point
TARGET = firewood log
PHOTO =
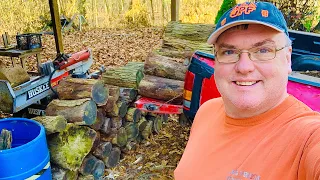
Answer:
(14, 75)
(119, 109)
(114, 91)
(132, 131)
(98, 169)
(52, 124)
(128, 94)
(81, 111)
(76, 88)
(92, 165)
(86, 177)
(103, 150)
(116, 122)
(58, 173)
(106, 126)
(96, 141)
(166, 67)
(147, 131)
(69, 147)
(161, 88)
(121, 137)
(114, 157)
(5, 139)
(133, 114)
(157, 120)
(111, 103)
(142, 124)
(99, 121)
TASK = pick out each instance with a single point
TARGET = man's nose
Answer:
(244, 65)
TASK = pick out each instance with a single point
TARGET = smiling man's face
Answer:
(247, 87)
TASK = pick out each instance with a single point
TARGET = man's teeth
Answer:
(247, 83)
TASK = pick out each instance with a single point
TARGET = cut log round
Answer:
(121, 138)
(14, 75)
(103, 150)
(114, 91)
(99, 121)
(128, 94)
(132, 131)
(85, 177)
(147, 131)
(110, 104)
(98, 169)
(81, 111)
(116, 122)
(142, 124)
(5, 139)
(161, 88)
(76, 88)
(58, 173)
(166, 67)
(114, 157)
(133, 114)
(52, 124)
(88, 164)
(119, 109)
(69, 147)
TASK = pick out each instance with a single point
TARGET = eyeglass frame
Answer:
(249, 54)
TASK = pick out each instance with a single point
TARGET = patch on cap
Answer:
(242, 8)
(265, 13)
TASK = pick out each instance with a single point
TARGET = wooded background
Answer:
(20, 16)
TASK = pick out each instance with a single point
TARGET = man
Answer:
(255, 130)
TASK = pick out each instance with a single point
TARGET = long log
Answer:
(76, 88)
(161, 88)
(5, 139)
(52, 124)
(165, 67)
(14, 75)
(81, 111)
(69, 147)
(124, 76)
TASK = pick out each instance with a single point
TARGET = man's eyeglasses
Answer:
(260, 53)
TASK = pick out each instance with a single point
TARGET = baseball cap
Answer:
(264, 13)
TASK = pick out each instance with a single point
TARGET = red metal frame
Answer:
(157, 106)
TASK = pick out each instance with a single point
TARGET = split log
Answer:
(114, 91)
(111, 103)
(119, 109)
(166, 67)
(86, 177)
(52, 124)
(14, 75)
(59, 173)
(147, 131)
(142, 124)
(157, 124)
(96, 141)
(121, 137)
(76, 88)
(5, 139)
(132, 131)
(114, 157)
(106, 126)
(69, 147)
(128, 94)
(81, 111)
(92, 165)
(133, 114)
(116, 122)
(99, 120)
(103, 150)
(161, 88)
(124, 76)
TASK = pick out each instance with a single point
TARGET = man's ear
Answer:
(288, 59)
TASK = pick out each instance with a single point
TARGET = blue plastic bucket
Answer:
(29, 156)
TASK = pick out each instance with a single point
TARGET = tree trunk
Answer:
(5, 139)
(76, 88)
(14, 75)
(161, 88)
(81, 111)
(165, 67)
(69, 147)
(52, 124)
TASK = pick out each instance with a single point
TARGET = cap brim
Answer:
(214, 36)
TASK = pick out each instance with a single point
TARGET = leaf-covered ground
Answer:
(152, 159)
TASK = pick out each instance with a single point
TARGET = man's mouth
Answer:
(246, 83)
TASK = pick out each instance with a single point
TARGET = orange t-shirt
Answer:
(281, 144)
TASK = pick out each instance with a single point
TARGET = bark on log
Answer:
(106, 126)
(110, 104)
(119, 109)
(103, 150)
(52, 124)
(69, 147)
(114, 157)
(99, 120)
(128, 94)
(124, 76)
(80, 112)
(162, 88)
(166, 67)
(58, 173)
(76, 88)
(5, 139)
(14, 75)
(133, 114)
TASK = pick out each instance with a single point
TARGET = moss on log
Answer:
(81, 111)
(76, 88)
(161, 88)
(165, 67)
(52, 124)
(69, 147)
